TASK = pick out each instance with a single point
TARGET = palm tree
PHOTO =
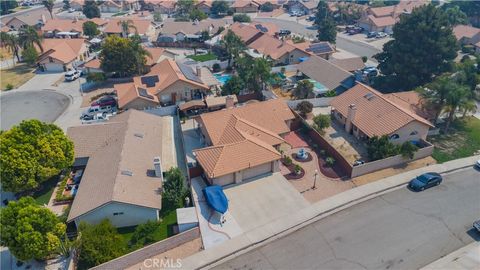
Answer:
(468, 107)
(126, 26)
(233, 44)
(49, 6)
(457, 97)
(262, 72)
(29, 36)
(11, 43)
(434, 95)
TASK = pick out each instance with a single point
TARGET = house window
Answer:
(118, 213)
(414, 133)
(394, 136)
(50, 59)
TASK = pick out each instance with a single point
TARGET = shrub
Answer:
(364, 59)
(331, 93)
(408, 149)
(267, 7)
(241, 18)
(9, 86)
(59, 197)
(467, 49)
(305, 107)
(287, 161)
(230, 12)
(323, 153)
(321, 122)
(157, 17)
(144, 234)
(298, 169)
(216, 67)
(283, 70)
(381, 147)
(330, 161)
(96, 77)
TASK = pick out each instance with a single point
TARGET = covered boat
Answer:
(216, 198)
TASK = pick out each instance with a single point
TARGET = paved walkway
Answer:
(466, 258)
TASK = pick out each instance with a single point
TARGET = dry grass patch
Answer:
(16, 76)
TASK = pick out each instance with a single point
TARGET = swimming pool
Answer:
(223, 78)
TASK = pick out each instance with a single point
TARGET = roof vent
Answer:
(127, 172)
(139, 135)
(369, 96)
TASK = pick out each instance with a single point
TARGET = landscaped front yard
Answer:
(463, 140)
(203, 57)
(16, 76)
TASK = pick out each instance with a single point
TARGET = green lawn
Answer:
(463, 140)
(203, 57)
(164, 230)
(42, 196)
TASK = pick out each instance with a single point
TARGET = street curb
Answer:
(243, 243)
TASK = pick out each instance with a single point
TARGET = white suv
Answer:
(72, 75)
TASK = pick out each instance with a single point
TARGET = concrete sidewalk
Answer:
(287, 224)
(465, 258)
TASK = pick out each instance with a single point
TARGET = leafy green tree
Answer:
(423, 46)
(303, 90)
(233, 86)
(244, 18)
(7, 5)
(304, 107)
(157, 17)
(174, 186)
(456, 16)
(381, 147)
(321, 122)
(325, 23)
(33, 152)
(197, 15)
(144, 234)
(233, 44)
(66, 4)
(219, 7)
(471, 8)
(468, 73)
(98, 244)
(29, 37)
(122, 55)
(49, 4)
(184, 7)
(255, 73)
(408, 149)
(30, 55)
(91, 10)
(29, 230)
(90, 29)
(267, 7)
(11, 43)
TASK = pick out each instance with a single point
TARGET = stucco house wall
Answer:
(182, 90)
(404, 133)
(119, 214)
(238, 177)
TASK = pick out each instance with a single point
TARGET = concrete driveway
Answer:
(44, 105)
(262, 200)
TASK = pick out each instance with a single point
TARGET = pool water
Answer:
(223, 78)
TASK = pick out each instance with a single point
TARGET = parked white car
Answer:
(72, 75)
(99, 117)
(95, 110)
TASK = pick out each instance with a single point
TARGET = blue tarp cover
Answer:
(216, 198)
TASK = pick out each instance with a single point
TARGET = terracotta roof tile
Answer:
(376, 114)
(348, 64)
(64, 50)
(466, 31)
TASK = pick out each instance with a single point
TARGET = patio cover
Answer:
(192, 104)
(216, 198)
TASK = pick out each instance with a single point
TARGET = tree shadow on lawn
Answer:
(44, 193)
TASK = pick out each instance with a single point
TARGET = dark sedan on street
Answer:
(424, 181)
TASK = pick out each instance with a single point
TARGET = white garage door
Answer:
(53, 67)
(224, 180)
(258, 170)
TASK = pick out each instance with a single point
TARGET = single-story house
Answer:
(350, 64)
(467, 35)
(162, 7)
(382, 19)
(263, 44)
(326, 76)
(365, 113)
(144, 28)
(182, 29)
(61, 54)
(115, 6)
(168, 82)
(322, 48)
(93, 66)
(242, 141)
(305, 7)
(157, 55)
(123, 174)
(61, 28)
(35, 18)
(204, 6)
(245, 6)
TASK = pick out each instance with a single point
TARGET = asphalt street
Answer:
(399, 230)
(356, 47)
(43, 105)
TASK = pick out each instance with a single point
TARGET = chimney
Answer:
(158, 167)
(352, 109)
(199, 71)
(229, 101)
